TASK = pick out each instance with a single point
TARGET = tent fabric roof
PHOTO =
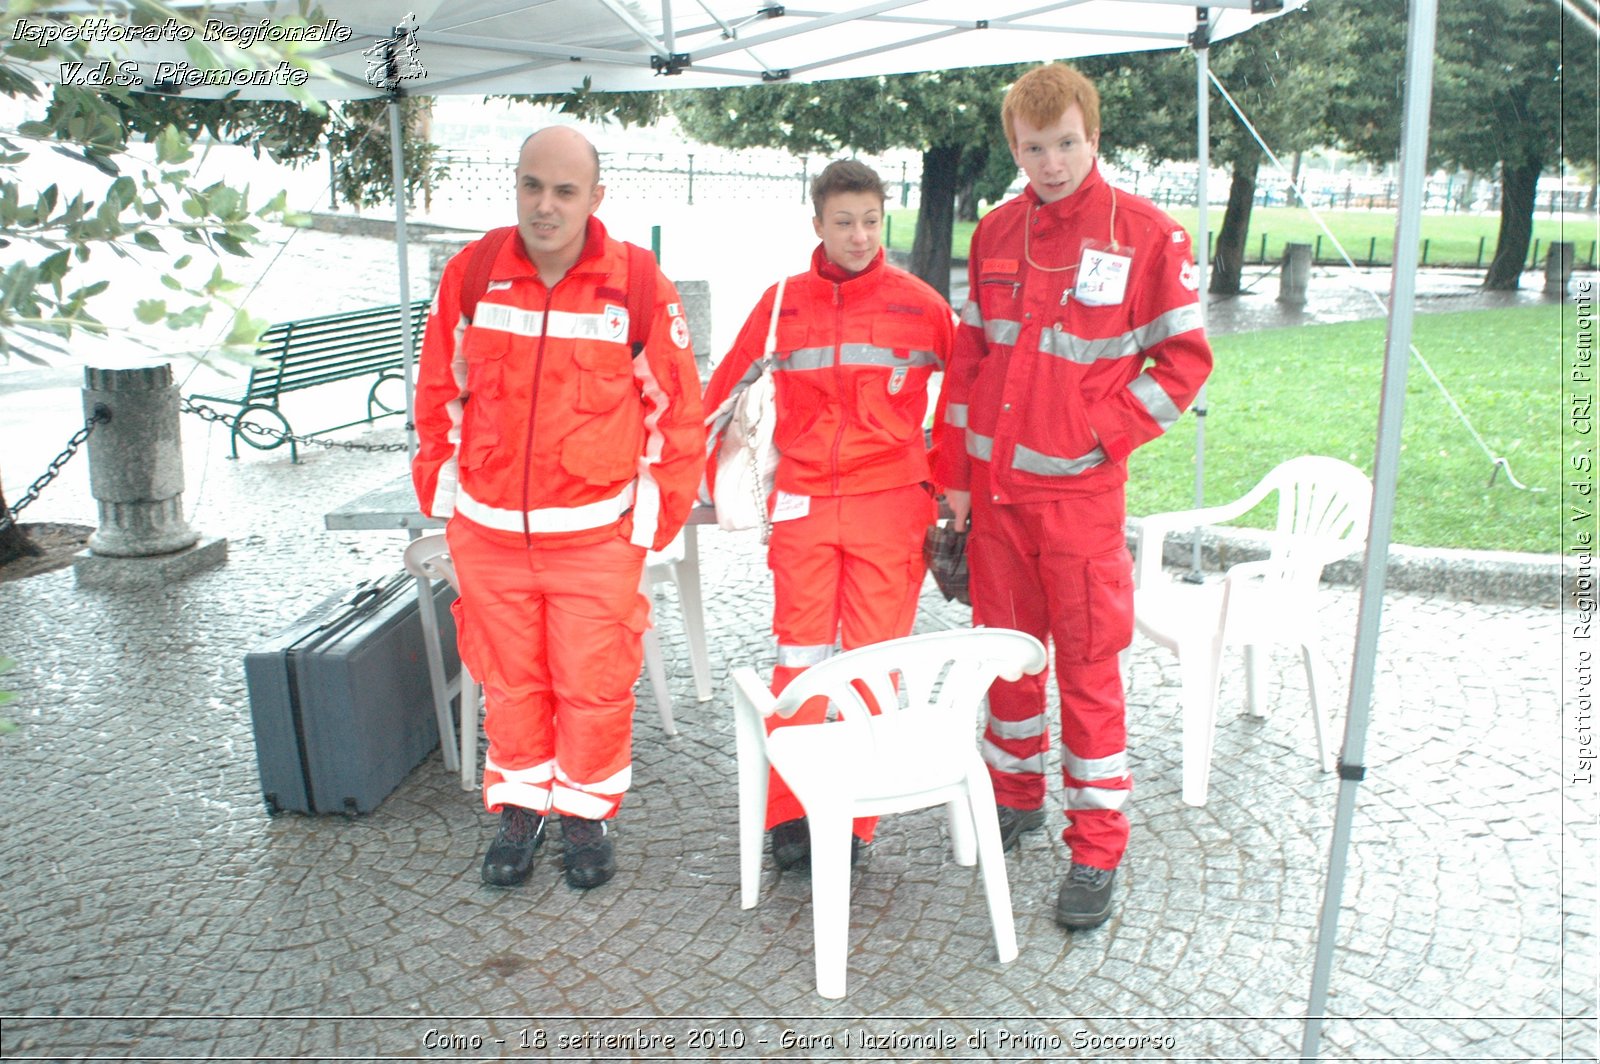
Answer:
(493, 47)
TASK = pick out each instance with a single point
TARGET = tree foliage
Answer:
(1282, 74)
(950, 116)
(109, 203)
(1514, 88)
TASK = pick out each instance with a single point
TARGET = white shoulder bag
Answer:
(747, 461)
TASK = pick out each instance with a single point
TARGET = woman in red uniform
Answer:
(856, 343)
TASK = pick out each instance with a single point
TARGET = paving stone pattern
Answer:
(151, 909)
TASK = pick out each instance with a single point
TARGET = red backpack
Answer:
(641, 283)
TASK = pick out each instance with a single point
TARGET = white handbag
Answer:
(747, 461)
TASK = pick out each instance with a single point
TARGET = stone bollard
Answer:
(1296, 274)
(136, 478)
(1558, 268)
(696, 296)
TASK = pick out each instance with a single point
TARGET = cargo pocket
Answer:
(1100, 594)
(616, 670)
(485, 354)
(605, 375)
(474, 655)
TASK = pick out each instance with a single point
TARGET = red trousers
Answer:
(850, 572)
(1060, 571)
(553, 636)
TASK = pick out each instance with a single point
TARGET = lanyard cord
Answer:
(1027, 231)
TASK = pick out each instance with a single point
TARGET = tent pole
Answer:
(397, 160)
(1391, 411)
(1202, 245)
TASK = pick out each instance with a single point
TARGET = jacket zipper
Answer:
(838, 379)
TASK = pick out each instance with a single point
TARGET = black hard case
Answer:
(340, 701)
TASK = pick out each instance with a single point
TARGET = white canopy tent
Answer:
(485, 47)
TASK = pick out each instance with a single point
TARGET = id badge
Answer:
(787, 507)
(1102, 274)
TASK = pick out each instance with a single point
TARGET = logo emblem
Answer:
(616, 323)
(680, 332)
(1189, 276)
(897, 380)
(392, 60)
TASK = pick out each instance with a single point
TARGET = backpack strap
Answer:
(641, 296)
(641, 283)
(476, 283)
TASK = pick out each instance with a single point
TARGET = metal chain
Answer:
(101, 415)
(233, 421)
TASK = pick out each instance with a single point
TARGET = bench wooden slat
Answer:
(309, 352)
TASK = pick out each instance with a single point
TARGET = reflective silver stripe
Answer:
(1031, 728)
(1031, 461)
(1001, 761)
(955, 415)
(810, 358)
(980, 447)
(793, 657)
(1084, 350)
(1111, 767)
(1155, 401)
(550, 519)
(445, 483)
(1001, 331)
(558, 324)
(972, 314)
(1096, 798)
(647, 497)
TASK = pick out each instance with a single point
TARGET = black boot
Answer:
(791, 844)
(587, 856)
(1085, 898)
(1013, 822)
(510, 856)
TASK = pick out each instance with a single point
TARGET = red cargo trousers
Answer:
(1059, 570)
(552, 633)
(850, 571)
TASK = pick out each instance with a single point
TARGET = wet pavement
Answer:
(151, 909)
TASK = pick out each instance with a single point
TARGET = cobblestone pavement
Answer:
(151, 909)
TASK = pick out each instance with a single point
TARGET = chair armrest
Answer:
(1154, 530)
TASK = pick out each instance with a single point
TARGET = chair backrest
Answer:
(942, 674)
(429, 556)
(1323, 507)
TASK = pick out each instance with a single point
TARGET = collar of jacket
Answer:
(513, 261)
(1068, 209)
(823, 271)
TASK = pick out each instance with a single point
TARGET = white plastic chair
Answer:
(1323, 505)
(428, 557)
(921, 751)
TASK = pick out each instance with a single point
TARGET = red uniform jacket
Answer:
(535, 419)
(851, 368)
(1052, 392)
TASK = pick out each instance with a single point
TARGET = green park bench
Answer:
(311, 352)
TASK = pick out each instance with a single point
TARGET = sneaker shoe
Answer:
(587, 855)
(791, 844)
(1013, 822)
(510, 856)
(1085, 898)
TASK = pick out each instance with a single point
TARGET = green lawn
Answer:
(1315, 390)
(1449, 239)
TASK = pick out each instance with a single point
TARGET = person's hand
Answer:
(960, 503)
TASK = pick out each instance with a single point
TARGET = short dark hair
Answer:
(845, 175)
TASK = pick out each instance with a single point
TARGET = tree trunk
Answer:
(14, 542)
(1227, 260)
(1518, 182)
(930, 251)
